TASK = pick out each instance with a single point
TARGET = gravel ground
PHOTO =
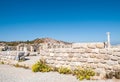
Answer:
(13, 74)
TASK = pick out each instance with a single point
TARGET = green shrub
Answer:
(83, 73)
(41, 66)
(64, 70)
(2, 62)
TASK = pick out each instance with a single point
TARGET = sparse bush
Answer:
(21, 66)
(117, 74)
(64, 70)
(41, 66)
(2, 62)
(83, 73)
(109, 75)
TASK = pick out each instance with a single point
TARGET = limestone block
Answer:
(110, 52)
(96, 61)
(90, 60)
(93, 66)
(114, 58)
(102, 51)
(88, 50)
(96, 51)
(101, 65)
(65, 54)
(100, 56)
(100, 45)
(103, 61)
(82, 59)
(111, 63)
(82, 51)
(116, 54)
(50, 61)
(61, 62)
(92, 55)
(91, 46)
(74, 59)
(59, 58)
(70, 55)
(119, 62)
(85, 55)
(106, 57)
(116, 50)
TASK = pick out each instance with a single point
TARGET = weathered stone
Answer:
(100, 45)
(106, 57)
(70, 55)
(96, 61)
(91, 46)
(101, 65)
(88, 50)
(111, 63)
(58, 58)
(116, 50)
(90, 60)
(103, 61)
(82, 51)
(93, 55)
(119, 62)
(103, 51)
(84, 55)
(74, 59)
(82, 60)
(116, 54)
(114, 58)
(95, 51)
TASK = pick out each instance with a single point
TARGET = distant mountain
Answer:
(36, 41)
(48, 40)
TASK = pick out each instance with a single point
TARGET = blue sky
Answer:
(68, 20)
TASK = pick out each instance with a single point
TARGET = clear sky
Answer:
(67, 20)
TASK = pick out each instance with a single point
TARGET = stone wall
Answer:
(93, 55)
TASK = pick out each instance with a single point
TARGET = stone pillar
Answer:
(108, 40)
(17, 48)
(31, 48)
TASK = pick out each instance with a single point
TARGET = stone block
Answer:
(90, 60)
(116, 54)
(88, 50)
(70, 55)
(93, 56)
(91, 46)
(116, 50)
(106, 57)
(74, 59)
(82, 51)
(100, 45)
(85, 55)
(114, 58)
(96, 61)
(111, 63)
(102, 51)
(119, 62)
(82, 60)
(95, 51)
(59, 58)
(103, 61)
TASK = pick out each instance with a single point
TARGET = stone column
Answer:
(17, 48)
(31, 48)
(108, 40)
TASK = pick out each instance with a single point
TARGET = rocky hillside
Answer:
(48, 40)
(36, 41)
